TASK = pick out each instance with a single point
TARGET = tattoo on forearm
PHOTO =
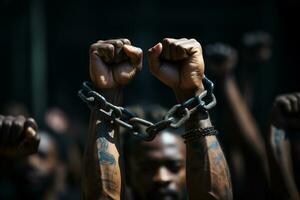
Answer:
(105, 158)
(109, 184)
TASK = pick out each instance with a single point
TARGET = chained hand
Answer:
(113, 63)
(179, 64)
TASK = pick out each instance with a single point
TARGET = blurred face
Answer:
(157, 168)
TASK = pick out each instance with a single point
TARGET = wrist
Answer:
(114, 96)
(198, 120)
(184, 95)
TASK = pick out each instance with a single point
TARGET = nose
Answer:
(162, 177)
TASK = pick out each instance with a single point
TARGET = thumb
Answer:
(135, 55)
(153, 55)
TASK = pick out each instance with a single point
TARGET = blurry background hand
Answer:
(18, 136)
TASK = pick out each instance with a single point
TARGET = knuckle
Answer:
(93, 46)
(109, 47)
(8, 121)
(139, 52)
(18, 124)
(196, 43)
(126, 41)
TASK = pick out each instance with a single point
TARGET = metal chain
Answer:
(174, 118)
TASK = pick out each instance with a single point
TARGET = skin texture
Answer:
(113, 63)
(157, 168)
(179, 64)
(235, 115)
(284, 123)
(18, 136)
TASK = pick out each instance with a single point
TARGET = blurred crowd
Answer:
(264, 164)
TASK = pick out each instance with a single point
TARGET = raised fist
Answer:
(220, 59)
(286, 112)
(179, 64)
(113, 63)
(18, 136)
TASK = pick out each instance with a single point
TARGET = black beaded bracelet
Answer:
(199, 133)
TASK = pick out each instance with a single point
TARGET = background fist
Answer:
(18, 136)
(114, 63)
(179, 64)
(220, 59)
(286, 112)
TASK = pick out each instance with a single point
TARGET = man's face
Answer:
(157, 168)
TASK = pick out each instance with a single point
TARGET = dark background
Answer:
(44, 45)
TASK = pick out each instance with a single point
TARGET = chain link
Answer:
(174, 118)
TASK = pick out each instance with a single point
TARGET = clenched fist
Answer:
(286, 112)
(179, 64)
(113, 63)
(220, 59)
(18, 136)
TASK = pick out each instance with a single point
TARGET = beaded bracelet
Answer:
(199, 133)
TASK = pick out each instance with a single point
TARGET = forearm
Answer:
(102, 168)
(208, 175)
(242, 119)
(281, 174)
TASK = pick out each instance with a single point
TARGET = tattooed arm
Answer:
(113, 63)
(284, 117)
(179, 64)
(207, 170)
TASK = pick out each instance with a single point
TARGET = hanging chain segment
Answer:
(123, 117)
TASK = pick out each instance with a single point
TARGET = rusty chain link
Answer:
(174, 118)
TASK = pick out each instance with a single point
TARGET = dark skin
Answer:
(256, 52)
(157, 168)
(284, 118)
(221, 61)
(18, 136)
(113, 64)
(177, 63)
(180, 65)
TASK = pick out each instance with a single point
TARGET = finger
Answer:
(165, 72)
(153, 57)
(135, 55)
(119, 55)
(297, 95)
(30, 122)
(104, 50)
(100, 74)
(284, 104)
(17, 129)
(294, 104)
(5, 131)
(180, 52)
(191, 46)
(118, 44)
(171, 48)
(125, 41)
(174, 51)
(30, 143)
(165, 50)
